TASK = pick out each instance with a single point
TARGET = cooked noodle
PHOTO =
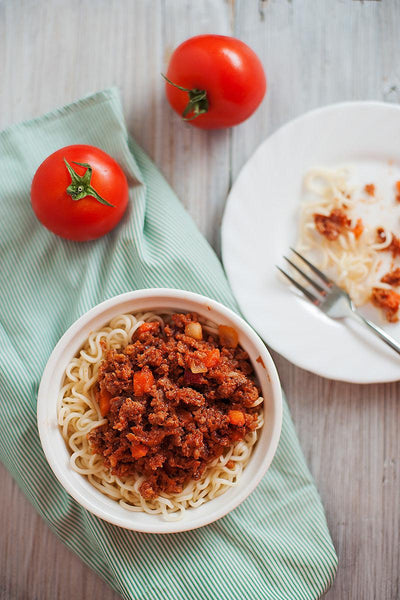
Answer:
(79, 413)
(354, 263)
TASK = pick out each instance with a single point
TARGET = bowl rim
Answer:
(43, 406)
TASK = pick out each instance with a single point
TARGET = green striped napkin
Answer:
(276, 545)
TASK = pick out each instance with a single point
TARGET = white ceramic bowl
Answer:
(56, 450)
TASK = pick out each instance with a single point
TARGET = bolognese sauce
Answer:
(332, 225)
(388, 301)
(394, 246)
(392, 277)
(175, 399)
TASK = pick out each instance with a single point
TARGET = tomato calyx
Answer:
(80, 184)
(198, 101)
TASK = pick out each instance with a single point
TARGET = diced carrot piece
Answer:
(142, 381)
(212, 358)
(358, 229)
(228, 336)
(236, 417)
(104, 401)
(139, 451)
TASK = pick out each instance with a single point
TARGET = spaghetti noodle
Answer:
(353, 255)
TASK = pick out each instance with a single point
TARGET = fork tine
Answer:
(314, 268)
(306, 292)
(316, 285)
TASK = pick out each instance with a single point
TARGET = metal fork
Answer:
(332, 300)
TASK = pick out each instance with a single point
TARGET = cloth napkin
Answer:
(276, 544)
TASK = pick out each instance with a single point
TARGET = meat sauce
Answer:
(337, 222)
(332, 225)
(369, 189)
(388, 301)
(392, 278)
(394, 246)
(173, 403)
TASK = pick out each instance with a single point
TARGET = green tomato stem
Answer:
(80, 185)
(198, 102)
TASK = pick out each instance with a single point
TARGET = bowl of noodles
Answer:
(159, 410)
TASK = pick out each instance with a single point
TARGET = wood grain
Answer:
(315, 53)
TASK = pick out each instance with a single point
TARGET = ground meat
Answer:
(392, 278)
(394, 246)
(388, 300)
(171, 401)
(333, 225)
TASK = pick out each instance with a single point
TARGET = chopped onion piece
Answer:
(228, 336)
(194, 330)
(198, 367)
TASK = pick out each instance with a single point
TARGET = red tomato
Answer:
(223, 81)
(79, 201)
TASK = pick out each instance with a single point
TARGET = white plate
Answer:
(261, 220)
(56, 450)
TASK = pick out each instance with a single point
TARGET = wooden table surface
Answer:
(315, 52)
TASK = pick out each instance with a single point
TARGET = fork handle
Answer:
(377, 330)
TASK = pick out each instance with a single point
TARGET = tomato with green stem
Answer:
(215, 81)
(79, 193)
